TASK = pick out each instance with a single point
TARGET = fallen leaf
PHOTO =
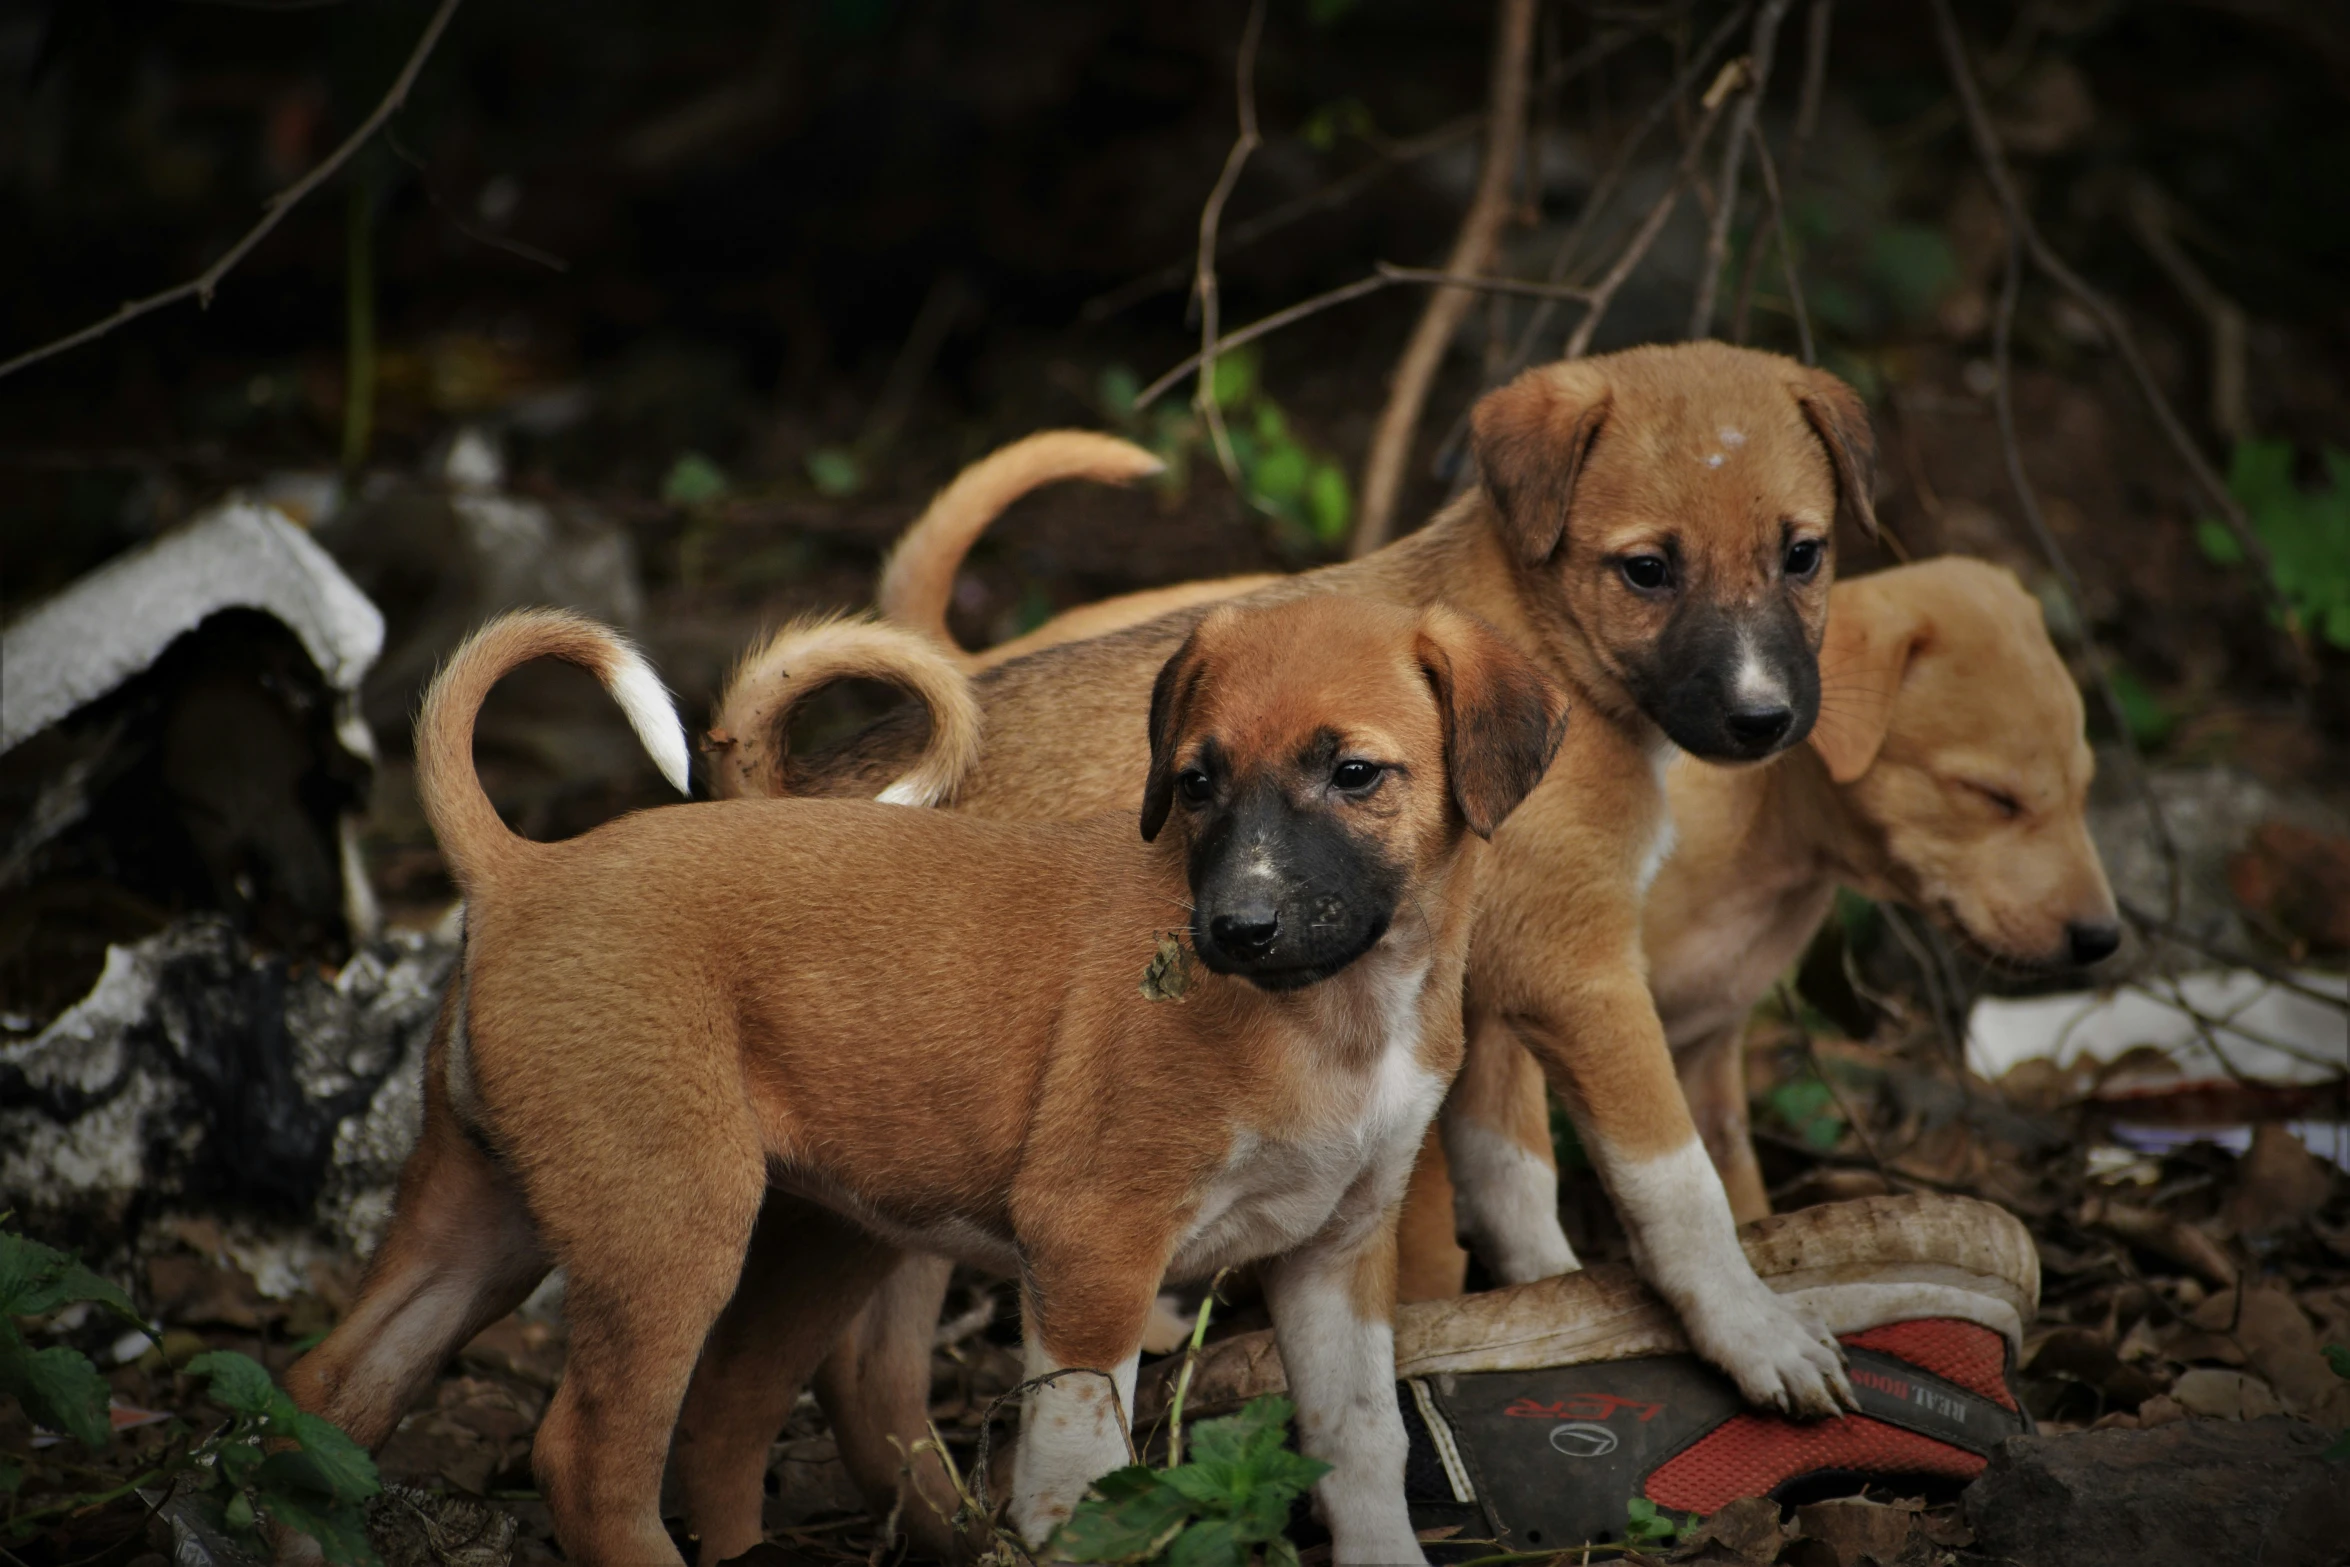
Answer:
(2224, 1395)
(1857, 1529)
(1747, 1530)
(2279, 1183)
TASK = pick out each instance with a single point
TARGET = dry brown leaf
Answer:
(2279, 1183)
(2224, 1395)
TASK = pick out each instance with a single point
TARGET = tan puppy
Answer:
(1653, 527)
(918, 578)
(1948, 773)
(934, 1028)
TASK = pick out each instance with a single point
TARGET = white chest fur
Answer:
(1362, 1115)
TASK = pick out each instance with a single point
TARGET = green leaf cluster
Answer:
(271, 1461)
(1647, 1524)
(2307, 532)
(1807, 1106)
(1225, 1506)
(1302, 492)
(2339, 1358)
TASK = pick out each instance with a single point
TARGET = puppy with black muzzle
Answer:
(932, 1031)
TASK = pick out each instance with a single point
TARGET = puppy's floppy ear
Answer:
(1530, 438)
(1872, 636)
(1503, 717)
(1171, 696)
(1841, 420)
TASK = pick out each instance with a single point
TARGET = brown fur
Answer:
(1557, 953)
(914, 1018)
(1941, 684)
(918, 578)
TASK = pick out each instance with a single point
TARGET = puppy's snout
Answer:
(1759, 728)
(1248, 932)
(2092, 941)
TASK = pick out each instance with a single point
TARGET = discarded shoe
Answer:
(1537, 1413)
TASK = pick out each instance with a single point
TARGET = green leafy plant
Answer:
(1647, 1524)
(2307, 532)
(1225, 1505)
(271, 1461)
(1302, 492)
(1807, 1106)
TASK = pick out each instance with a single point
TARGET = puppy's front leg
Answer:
(1079, 1316)
(1333, 1305)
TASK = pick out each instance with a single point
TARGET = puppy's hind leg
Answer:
(1333, 1305)
(461, 1253)
(651, 1234)
(876, 1384)
(1496, 1128)
(806, 1273)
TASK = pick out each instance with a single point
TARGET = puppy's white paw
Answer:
(1382, 1548)
(1778, 1354)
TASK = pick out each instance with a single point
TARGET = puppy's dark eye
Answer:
(1195, 786)
(1354, 776)
(1803, 557)
(1647, 573)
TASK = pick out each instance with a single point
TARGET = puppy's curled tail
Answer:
(473, 840)
(918, 579)
(752, 726)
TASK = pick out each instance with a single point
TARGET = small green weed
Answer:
(2307, 532)
(1224, 1506)
(270, 1461)
(1303, 493)
(1648, 1524)
(1807, 1107)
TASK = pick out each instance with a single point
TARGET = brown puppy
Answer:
(933, 1028)
(1947, 773)
(1653, 527)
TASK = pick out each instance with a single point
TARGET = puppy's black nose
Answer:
(2093, 941)
(1759, 726)
(1246, 933)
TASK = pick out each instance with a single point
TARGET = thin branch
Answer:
(2150, 219)
(1473, 251)
(2023, 231)
(1760, 51)
(1383, 274)
(1604, 189)
(512, 247)
(1603, 292)
(1776, 225)
(1211, 215)
(1347, 186)
(200, 288)
(2028, 500)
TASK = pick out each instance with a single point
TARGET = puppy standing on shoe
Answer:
(920, 1024)
(1948, 773)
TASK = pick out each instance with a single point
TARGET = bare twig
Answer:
(1603, 190)
(1384, 274)
(1603, 292)
(1819, 1069)
(1346, 187)
(2154, 924)
(1760, 51)
(512, 247)
(201, 287)
(1776, 225)
(2025, 233)
(1472, 252)
(2028, 501)
(1211, 215)
(2150, 219)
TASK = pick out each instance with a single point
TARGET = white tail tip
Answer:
(652, 715)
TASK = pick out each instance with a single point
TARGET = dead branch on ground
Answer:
(1472, 252)
(2151, 219)
(273, 212)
